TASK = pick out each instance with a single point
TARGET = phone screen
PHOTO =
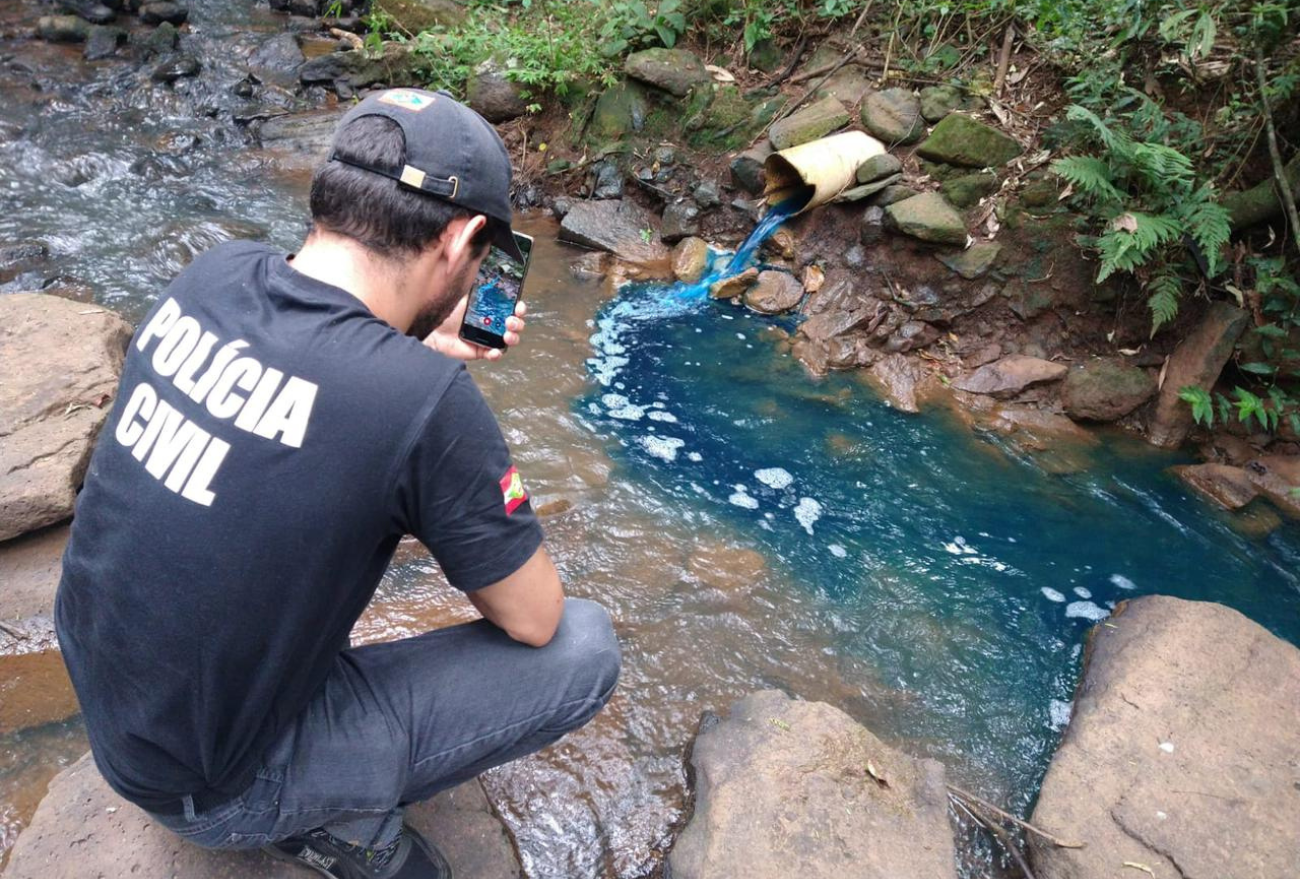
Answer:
(498, 287)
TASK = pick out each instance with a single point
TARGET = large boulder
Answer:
(894, 116)
(620, 110)
(1009, 376)
(61, 361)
(676, 71)
(494, 97)
(774, 292)
(619, 226)
(1180, 755)
(690, 259)
(928, 217)
(896, 378)
(788, 788)
(1196, 362)
(1105, 390)
(960, 140)
(80, 806)
(277, 59)
(1229, 487)
(814, 121)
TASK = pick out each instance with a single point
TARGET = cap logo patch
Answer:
(512, 490)
(406, 99)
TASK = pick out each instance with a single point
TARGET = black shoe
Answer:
(409, 856)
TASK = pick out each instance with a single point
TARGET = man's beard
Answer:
(438, 311)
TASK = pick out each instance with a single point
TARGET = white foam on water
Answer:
(662, 447)
(808, 512)
(740, 498)
(1082, 593)
(774, 477)
(622, 408)
(695, 457)
(740, 336)
(660, 415)
(838, 551)
(1086, 610)
(1122, 582)
(1060, 713)
(1052, 595)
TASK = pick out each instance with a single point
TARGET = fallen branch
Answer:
(791, 107)
(970, 798)
(1004, 838)
(1004, 59)
(794, 62)
(1279, 170)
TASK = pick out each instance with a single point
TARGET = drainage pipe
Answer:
(818, 170)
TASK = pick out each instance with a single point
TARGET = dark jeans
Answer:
(396, 723)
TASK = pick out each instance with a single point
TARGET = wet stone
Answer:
(62, 29)
(1105, 390)
(774, 292)
(102, 42)
(706, 194)
(928, 217)
(855, 257)
(967, 190)
(665, 155)
(681, 219)
(620, 110)
(91, 10)
(21, 256)
(158, 13)
(872, 227)
(162, 40)
(495, 97)
(892, 194)
(960, 140)
(690, 259)
(174, 68)
(736, 285)
(608, 181)
(974, 262)
(676, 71)
(277, 59)
(1010, 376)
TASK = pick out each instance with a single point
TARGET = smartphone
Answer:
(498, 287)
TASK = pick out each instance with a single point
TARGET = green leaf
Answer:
(1202, 39)
(1202, 407)
(667, 35)
(1272, 331)
(1170, 26)
(1090, 175)
(1258, 368)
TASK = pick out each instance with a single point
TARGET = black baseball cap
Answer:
(452, 153)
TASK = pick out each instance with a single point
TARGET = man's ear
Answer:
(460, 238)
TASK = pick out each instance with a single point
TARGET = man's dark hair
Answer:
(376, 211)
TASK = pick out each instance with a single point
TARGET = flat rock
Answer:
(928, 217)
(1105, 390)
(62, 29)
(878, 167)
(974, 262)
(34, 690)
(1196, 362)
(164, 11)
(1009, 376)
(736, 285)
(690, 259)
(1277, 477)
(782, 789)
(894, 116)
(277, 59)
(1229, 487)
(1181, 751)
(814, 121)
(896, 377)
(966, 190)
(960, 140)
(30, 568)
(774, 292)
(61, 361)
(676, 71)
(300, 140)
(620, 227)
(80, 806)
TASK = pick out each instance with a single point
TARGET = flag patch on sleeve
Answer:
(512, 490)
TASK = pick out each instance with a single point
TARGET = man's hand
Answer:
(446, 339)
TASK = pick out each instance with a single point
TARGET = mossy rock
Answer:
(620, 110)
(419, 15)
(766, 56)
(810, 123)
(937, 101)
(728, 120)
(967, 190)
(960, 140)
(927, 217)
(894, 116)
(676, 71)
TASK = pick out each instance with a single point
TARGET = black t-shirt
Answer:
(270, 444)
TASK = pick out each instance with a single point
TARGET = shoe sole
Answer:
(290, 859)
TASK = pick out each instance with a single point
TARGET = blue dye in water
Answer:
(960, 570)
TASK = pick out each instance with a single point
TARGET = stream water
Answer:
(748, 527)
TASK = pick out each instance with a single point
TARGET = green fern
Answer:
(1132, 239)
(1109, 139)
(1210, 227)
(1090, 175)
(1162, 298)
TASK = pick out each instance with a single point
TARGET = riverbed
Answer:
(747, 526)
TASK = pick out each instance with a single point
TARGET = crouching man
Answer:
(282, 422)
